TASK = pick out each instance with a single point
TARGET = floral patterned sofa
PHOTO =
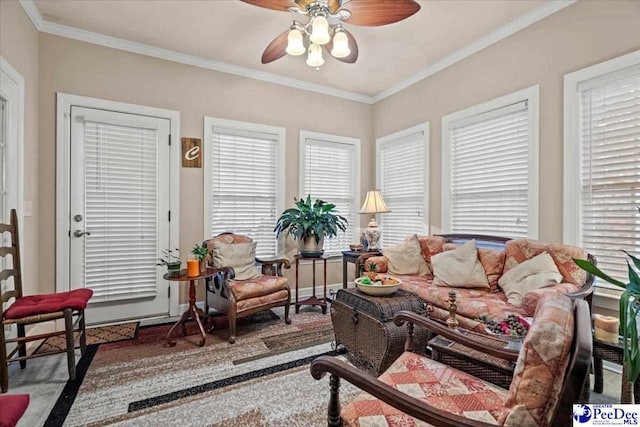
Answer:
(497, 256)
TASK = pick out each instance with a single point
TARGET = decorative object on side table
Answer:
(310, 222)
(629, 311)
(378, 285)
(200, 253)
(171, 258)
(373, 204)
(513, 328)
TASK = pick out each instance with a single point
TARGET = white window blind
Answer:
(402, 182)
(610, 168)
(244, 185)
(121, 211)
(328, 173)
(489, 172)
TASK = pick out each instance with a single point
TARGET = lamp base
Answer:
(372, 234)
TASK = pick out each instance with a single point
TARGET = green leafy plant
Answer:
(629, 311)
(200, 252)
(170, 257)
(317, 219)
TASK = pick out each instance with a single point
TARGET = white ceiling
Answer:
(236, 33)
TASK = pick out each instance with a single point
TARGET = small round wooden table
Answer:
(193, 312)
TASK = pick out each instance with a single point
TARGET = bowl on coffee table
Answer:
(381, 285)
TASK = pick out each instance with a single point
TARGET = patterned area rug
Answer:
(97, 335)
(261, 380)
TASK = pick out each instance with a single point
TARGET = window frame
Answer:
(426, 145)
(280, 132)
(572, 149)
(531, 96)
(304, 135)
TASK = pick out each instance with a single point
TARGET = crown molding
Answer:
(183, 58)
(552, 6)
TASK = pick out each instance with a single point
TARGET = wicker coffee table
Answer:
(489, 368)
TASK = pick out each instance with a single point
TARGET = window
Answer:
(602, 161)
(402, 164)
(244, 179)
(490, 167)
(330, 170)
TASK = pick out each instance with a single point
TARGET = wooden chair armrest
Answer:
(273, 267)
(410, 405)
(463, 336)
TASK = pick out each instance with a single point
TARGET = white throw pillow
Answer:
(459, 268)
(240, 256)
(535, 273)
(406, 258)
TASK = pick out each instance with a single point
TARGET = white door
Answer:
(119, 212)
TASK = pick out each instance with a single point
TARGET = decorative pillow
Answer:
(240, 256)
(542, 364)
(379, 264)
(459, 268)
(406, 258)
(430, 245)
(535, 273)
(492, 261)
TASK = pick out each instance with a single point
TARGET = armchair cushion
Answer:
(260, 286)
(440, 386)
(240, 256)
(542, 363)
(48, 303)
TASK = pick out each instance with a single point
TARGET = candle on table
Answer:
(606, 328)
(193, 267)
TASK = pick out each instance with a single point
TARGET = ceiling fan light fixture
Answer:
(340, 44)
(320, 30)
(295, 45)
(314, 58)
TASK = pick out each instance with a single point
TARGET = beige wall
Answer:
(83, 69)
(19, 46)
(583, 34)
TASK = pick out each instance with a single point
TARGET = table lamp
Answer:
(373, 204)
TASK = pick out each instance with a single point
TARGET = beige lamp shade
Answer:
(373, 203)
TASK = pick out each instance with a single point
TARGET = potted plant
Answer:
(200, 253)
(310, 222)
(629, 310)
(171, 259)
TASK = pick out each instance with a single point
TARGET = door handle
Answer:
(80, 233)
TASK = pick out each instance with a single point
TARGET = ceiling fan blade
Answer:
(281, 5)
(276, 49)
(372, 13)
(353, 47)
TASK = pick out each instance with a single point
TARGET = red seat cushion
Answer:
(49, 303)
(13, 407)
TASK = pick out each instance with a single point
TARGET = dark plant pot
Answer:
(173, 268)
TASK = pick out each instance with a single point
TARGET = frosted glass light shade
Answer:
(314, 59)
(295, 46)
(340, 45)
(320, 31)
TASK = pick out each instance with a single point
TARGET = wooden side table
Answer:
(313, 299)
(613, 353)
(352, 256)
(193, 312)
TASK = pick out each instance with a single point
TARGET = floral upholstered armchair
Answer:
(240, 288)
(550, 374)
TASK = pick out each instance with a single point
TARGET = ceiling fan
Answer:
(334, 38)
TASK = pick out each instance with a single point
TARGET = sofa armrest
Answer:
(408, 404)
(467, 338)
(273, 267)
